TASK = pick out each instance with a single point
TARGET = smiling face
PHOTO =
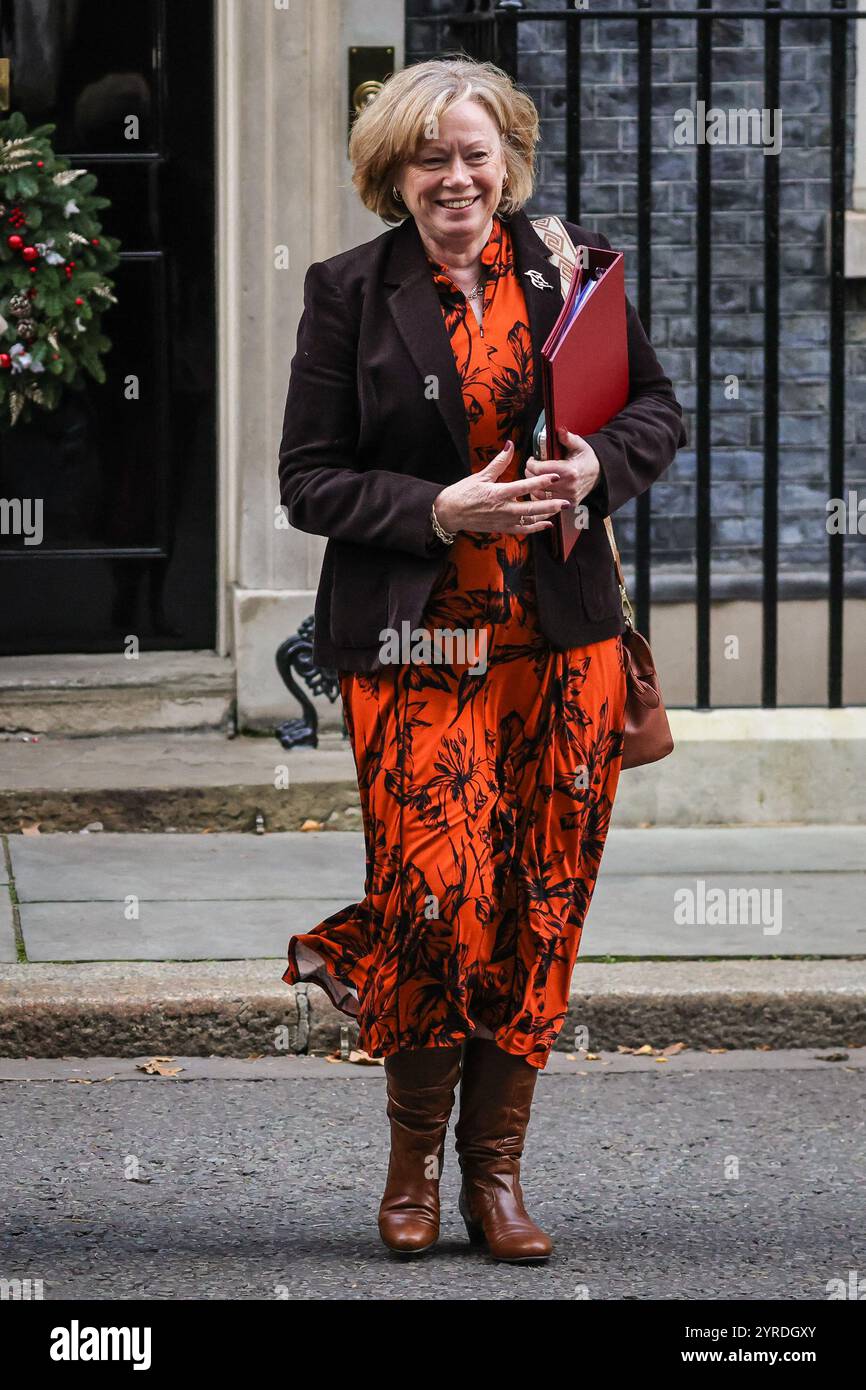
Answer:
(453, 184)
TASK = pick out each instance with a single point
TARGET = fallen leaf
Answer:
(358, 1057)
(313, 825)
(645, 1051)
(32, 829)
(156, 1066)
(662, 1059)
(674, 1049)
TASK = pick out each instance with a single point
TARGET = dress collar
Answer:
(490, 254)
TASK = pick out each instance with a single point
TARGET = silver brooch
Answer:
(538, 280)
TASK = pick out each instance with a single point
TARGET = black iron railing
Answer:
(489, 31)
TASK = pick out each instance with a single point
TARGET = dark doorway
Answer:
(128, 486)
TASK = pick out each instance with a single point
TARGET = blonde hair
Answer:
(393, 126)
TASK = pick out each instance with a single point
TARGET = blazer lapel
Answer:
(417, 313)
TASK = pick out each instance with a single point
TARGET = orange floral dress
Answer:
(487, 772)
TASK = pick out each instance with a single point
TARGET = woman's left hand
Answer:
(579, 471)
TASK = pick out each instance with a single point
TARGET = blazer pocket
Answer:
(359, 597)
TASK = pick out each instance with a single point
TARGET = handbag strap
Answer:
(555, 235)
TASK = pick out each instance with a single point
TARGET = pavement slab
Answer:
(661, 892)
(8, 944)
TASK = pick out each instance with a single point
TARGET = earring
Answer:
(397, 194)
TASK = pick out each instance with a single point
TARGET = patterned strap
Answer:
(554, 234)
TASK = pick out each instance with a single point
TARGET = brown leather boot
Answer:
(495, 1102)
(421, 1084)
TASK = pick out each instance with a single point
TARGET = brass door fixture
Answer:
(368, 68)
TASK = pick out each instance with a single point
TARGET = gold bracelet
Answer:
(443, 535)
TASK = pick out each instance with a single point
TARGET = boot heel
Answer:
(474, 1231)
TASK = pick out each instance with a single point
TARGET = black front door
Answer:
(126, 470)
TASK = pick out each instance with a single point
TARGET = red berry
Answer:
(79, 301)
(94, 241)
(14, 242)
(5, 360)
(30, 253)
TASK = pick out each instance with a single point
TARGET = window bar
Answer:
(703, 232)
(838, 69)
(573, 42)
(770, 560)
(643, 512)
(505, 29)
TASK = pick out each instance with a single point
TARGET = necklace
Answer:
(473, 293)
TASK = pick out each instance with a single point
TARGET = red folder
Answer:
(585, 375)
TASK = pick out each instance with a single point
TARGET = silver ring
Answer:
(522, 519)
(547, 492)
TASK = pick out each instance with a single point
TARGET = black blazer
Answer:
(367, 444)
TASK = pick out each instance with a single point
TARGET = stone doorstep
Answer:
(243, 1008)
(242, 808)
(81, 694)
(191, 781)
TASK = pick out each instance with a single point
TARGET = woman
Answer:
(482, 680)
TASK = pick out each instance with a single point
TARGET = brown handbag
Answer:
(647, 731)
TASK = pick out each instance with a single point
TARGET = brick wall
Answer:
(609, 205)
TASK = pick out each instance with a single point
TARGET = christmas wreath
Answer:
(54, 285)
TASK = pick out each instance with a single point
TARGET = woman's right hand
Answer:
(480, 503)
